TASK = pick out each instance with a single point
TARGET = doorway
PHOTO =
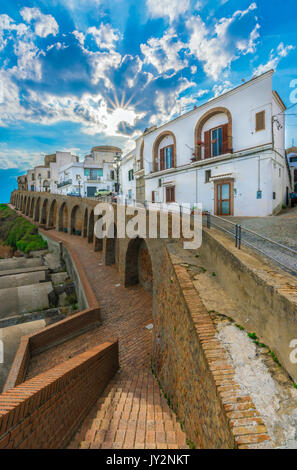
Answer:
(224, 198)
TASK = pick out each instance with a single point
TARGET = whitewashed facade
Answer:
(128, 183)
(228, 154)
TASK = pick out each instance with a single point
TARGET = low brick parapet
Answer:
(44, 412)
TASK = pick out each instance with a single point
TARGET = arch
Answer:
(91, 227)
(98, 242)
(24, 204)
(27, 209)
(111, 246)
(85, 234)
(37, 210)
(156, 145)
(138, 265)
(52, 219)
(44, 212)
(199, 126)
(76, 221)
(31, 212)
(63, 218)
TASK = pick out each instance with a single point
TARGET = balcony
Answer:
(64, 183)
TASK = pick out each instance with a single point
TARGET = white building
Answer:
(292, 161)
(95, 173)
(228, 154)
(61, 159)
(128, 183)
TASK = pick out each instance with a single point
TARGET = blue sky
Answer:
(79, 73)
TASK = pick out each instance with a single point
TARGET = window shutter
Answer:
(173, 194)
(153, 196)
(225, 139)
(162, 159)
(260, 121)
(207, 147)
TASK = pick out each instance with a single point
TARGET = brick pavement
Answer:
(132, 413)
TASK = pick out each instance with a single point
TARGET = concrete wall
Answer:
(23, 299)
(266, 299)
(18, 280)
(61, 250)
(9, 264)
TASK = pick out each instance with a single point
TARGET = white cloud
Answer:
(105, 36)
(44, 25)
(101, 63)
(163, 53)
(18, 159)
(58, 45)
(28, 64)
(214, 47)
(167, 8)
(222, 88)
(274, 58)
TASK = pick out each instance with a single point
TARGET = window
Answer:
(130, 175)
(279, 172)
(33, 177)
(207, 176)
(260, 121)
(166, 158)
(48, 174)
(160, 182)
(153, 196)
(130, 193)
(216, 142)
(293, 159)
(170, 194)
(112, 175)
(93, 173)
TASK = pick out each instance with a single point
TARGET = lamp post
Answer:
(117, 165)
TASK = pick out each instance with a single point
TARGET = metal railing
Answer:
(64, 183)
(283, 255)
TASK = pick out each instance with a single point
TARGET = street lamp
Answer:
(79, 184)
(117, 165)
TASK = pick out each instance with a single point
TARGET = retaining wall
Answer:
(44, 412)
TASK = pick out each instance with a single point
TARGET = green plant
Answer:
(213, 274)
(294, 385)
(203, 269)
(274, 357)
(190, 444)
(252, 335)
(239, 326)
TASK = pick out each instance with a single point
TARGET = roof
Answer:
(106, 148)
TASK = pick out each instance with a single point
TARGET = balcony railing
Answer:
(64, 183)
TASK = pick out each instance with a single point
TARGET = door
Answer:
(224, 199)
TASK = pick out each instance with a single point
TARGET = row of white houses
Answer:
(228, 154)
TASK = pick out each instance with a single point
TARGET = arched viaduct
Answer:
(138, 260)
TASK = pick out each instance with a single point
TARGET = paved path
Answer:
(132, 413)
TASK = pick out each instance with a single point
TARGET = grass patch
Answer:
(18, 232)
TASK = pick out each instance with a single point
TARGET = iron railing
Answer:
(283, 255)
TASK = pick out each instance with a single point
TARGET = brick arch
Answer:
(91, 225)
(63, 217)
(27, 209)
(110, 246)
(138, 265)
(37, 210)
(44, 212)
(31, 212)
(156, 144)
(199, 126)
(52, 217)
(76, 222)
(86, 217)
(24, 204)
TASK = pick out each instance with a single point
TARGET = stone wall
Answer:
(193, 368)
(44, 412)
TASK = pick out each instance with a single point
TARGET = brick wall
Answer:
(194, 370)
(44, 412)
